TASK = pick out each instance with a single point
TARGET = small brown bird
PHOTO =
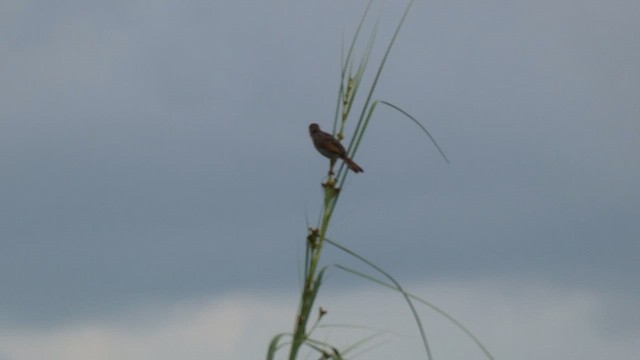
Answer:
(328, 146)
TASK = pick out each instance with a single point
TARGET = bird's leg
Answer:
(333, 162)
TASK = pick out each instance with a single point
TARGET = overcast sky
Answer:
(156, 175)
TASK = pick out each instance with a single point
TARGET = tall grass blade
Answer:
(365, 115)
(360, 127)
(344, 66)
(358, 76)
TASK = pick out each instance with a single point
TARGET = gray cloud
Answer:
(159, 150)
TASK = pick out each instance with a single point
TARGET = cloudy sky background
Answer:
(157, 177)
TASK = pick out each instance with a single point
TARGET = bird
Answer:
(330, 147)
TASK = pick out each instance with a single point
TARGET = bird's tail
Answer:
(352, 165)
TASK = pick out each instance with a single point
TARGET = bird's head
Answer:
(314, 128)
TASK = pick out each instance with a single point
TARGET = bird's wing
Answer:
(334, 146)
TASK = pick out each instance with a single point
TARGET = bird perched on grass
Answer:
(330, 147)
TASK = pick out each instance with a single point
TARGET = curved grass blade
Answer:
(424, 302)
(274, 346)
(398, 286)
(368, 349)
(417, 123)
(361, 342)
